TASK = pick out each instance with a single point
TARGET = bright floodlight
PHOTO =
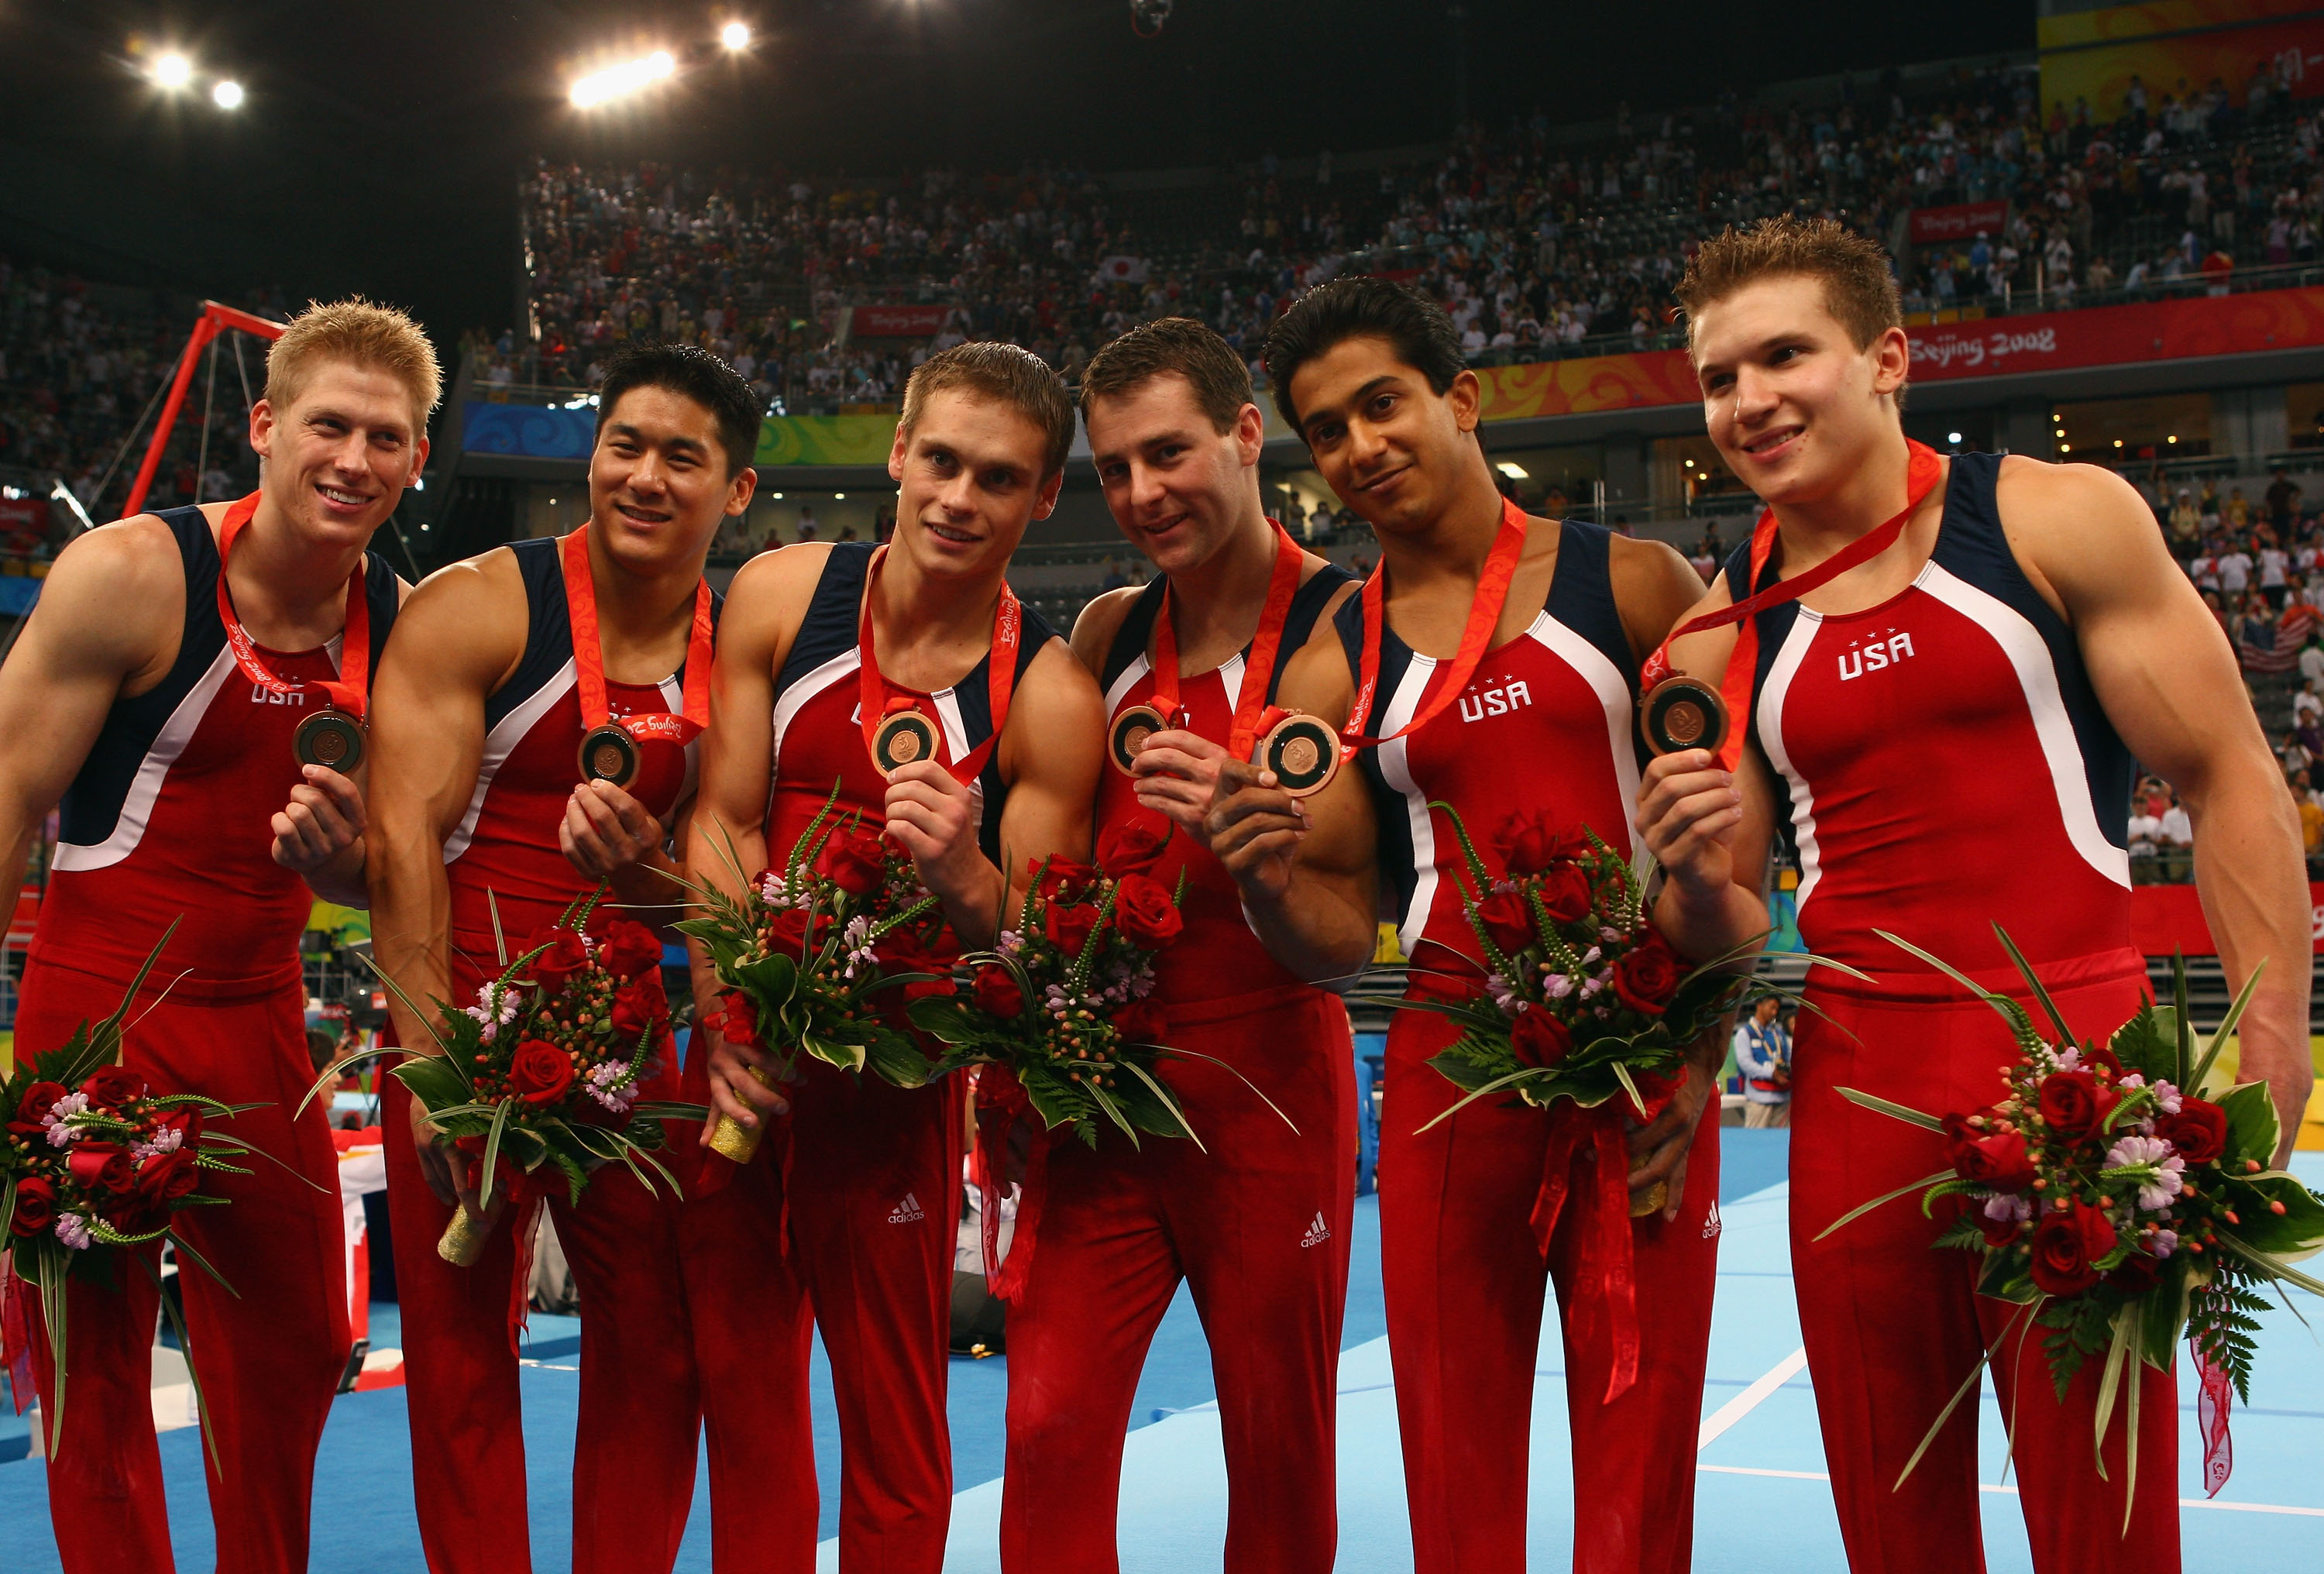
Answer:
(618, 81)
(735, 35)
(173, 70)
(227, 95)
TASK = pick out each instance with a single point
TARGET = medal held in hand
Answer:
(1302, 750)
(1138, 722)
(616, 751)
(896, 731)
(1683, 712)
(334, 737)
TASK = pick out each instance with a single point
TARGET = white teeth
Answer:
(345, 499)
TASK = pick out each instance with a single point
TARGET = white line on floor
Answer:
(2012, 1491)
(1745, 1402)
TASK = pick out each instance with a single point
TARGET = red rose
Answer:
(996, 991)
(787, 932)
(111, 1087)
(1529, 844)
(901, 951)
(1146, 913)
(1062, 879)
(1565, 893)
(1142, 1021)
(2198, 1131)
(1068, 927)
(1647, 976)
(565, 957)
(738, 1021)
(628, 950)
(1997, 1162)
(2072, 1103)
(39, 1099)
(100, 1166)
(187, 1123)
(36, 1205)
(2066, 1243)
(1539, 1038)
(1135, 845)
(2135, 1273)
(165, 1178)
(639, 1007)
(1507, 922)
(540, 1071)
(854, 860)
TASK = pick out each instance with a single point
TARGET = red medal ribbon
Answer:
(1484, 615)
(346, 691)
(1282, 584)
(1922, 473)
(589, 658)
(873, 702)
(1001, 1104)
(2215, 1394)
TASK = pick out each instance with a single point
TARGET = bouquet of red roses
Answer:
(2116, 1205)
(92, 1159)
(1064, 1002)
(539, 1081)
(1582, 996)
(806, 951)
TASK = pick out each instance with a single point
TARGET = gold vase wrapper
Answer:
(730, 1139)
(1655, 1199)
(463, 1241)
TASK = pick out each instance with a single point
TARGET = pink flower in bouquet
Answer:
(2001, 1218)
(74, 1233)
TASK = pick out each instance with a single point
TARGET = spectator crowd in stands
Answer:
(1539, 244)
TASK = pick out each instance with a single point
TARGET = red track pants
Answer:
(1466, 1283)
(1893, 1328)
(874, 1199)
(1117, 1230)
(269, 1355)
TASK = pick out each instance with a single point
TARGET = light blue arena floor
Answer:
(1762, 1503)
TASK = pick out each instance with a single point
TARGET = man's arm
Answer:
(1308, 867)
(454, 641)
(75, 656)
(1050, 754)
(726, 840)
(2171, 686)
(318, 835)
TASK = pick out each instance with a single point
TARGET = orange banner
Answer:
(2175, 46)
(1597, 383)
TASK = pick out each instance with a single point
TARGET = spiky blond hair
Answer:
(358, 331)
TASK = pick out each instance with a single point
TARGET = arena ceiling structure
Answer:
(324, 150)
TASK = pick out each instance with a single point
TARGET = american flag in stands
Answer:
(2277, 650)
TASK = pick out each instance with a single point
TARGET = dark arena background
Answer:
(2107, 225)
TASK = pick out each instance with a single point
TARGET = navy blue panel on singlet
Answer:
(1307, 604)
(91, 805)
(549, 628)
(1973, 547)
(1580, 596)
(830, 629)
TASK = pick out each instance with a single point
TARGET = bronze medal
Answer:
(609, 753)
(1303, 753)
(1683, 712)
(329, 738)
(902, 738)
(1136, 725)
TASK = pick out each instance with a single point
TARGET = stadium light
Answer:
(1952, 437)
(735, 36)
(620, 81)
(173, 71)
(1514, 472)
(226, 94)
